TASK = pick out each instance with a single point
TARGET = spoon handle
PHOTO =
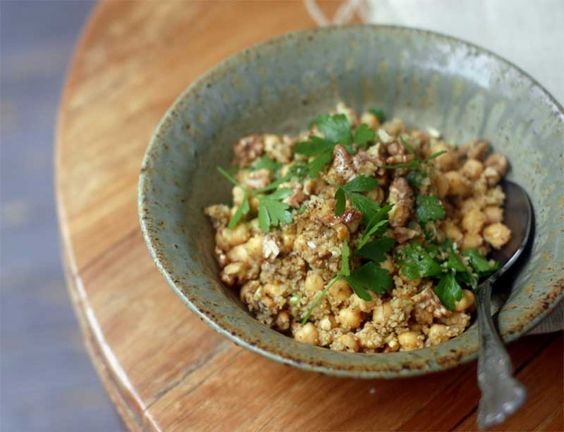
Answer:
(502, 395)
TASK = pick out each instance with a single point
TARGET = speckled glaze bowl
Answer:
(424, 78)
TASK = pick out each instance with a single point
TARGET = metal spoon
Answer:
(502, 395)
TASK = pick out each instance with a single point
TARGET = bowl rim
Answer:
(214, 322)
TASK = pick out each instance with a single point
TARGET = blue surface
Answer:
(47, 382)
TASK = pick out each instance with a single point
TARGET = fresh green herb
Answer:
(358, 184)
(449, 291)
(416, 262)
(405, 140)
(335, 128)
(376, 250)
(380, 115)
(294, 300)
(363, 135)
(228, 176)
(319, 163)
(341, 201)
(241, 211)
(481, 264)
(370, 277)
(264, 162)
(364, 204)
(429, 208)
(343, 273)
(314, 146)
(415, 164)
(416, 178)
(377, 223)
(298, 171)
(272, 211)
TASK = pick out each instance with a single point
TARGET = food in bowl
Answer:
(361, 234)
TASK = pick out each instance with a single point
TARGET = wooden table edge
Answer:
(129, 409)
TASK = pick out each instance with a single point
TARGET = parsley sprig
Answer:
(357, 185)
(272, 210)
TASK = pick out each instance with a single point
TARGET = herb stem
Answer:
(318, 299)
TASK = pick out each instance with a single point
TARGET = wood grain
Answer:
(164, 369)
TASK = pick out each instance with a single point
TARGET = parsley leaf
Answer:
(377, 222)
(358, 184)
(361, 183)
(264, 162)
(363, 135)
(416, 262)
(320, 162)
(272, 211)
(448, 291)
(335, 128)
(364, 204)
(416, 178)
(370, 277)
(376, 250)
(429, 208)
(481, 264)
(341, 201)
(379, 113)
(314, 146)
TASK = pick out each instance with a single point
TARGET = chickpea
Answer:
(466, 301)
(493, 214)
(349, 342)
(248, 291)
(441, 184)
(376, 195)
(409, 341)
(233, 237)
(438, 333)
(382, 313)
(232, 272)
(447, 161)
(470, 204)
(472, 169)
(254, 247)
(313, 284)
(458, 185)
(238, 253)
(498, 162)
(393, 345)
(394, 127)
(237, 196)
(273, 289)
(370, 119)
(497, 235)
(349, 318)
(452, 231)
(478, 149)
(471, 241)
(473, 221)
(491, 176)
(307, 334)
(283, 320)
(339, 292)
(327, 323)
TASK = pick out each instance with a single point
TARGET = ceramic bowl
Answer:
(424, 78)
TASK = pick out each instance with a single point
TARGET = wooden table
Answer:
(163, 368)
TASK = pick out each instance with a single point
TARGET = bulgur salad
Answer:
(360, 234)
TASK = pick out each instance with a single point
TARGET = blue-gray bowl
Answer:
(424, 78)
